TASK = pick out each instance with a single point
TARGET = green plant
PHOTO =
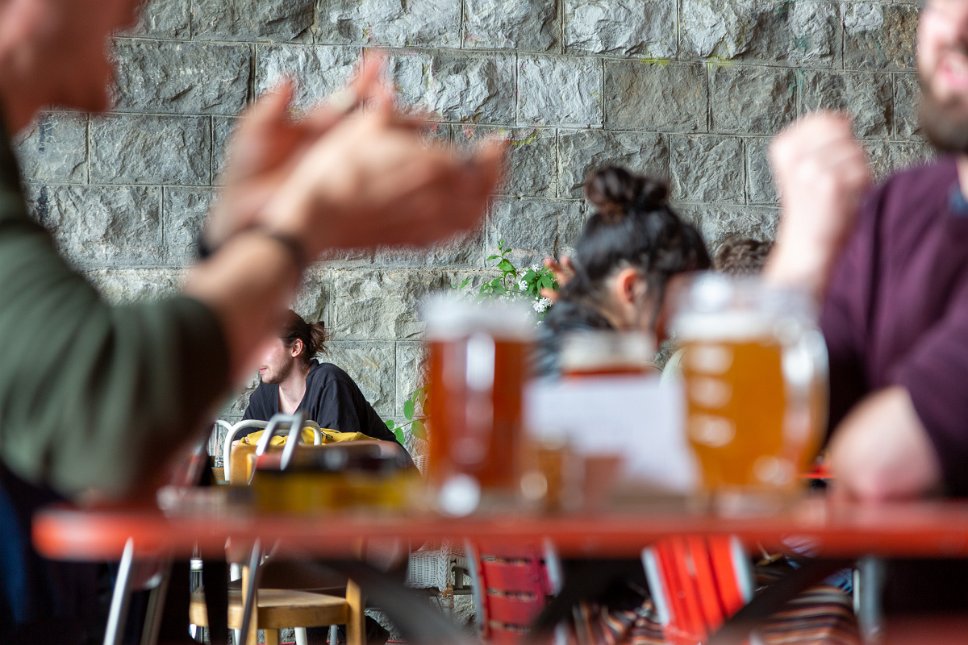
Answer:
(417, 399)
(518, 283)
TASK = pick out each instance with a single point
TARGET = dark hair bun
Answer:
(614, 191)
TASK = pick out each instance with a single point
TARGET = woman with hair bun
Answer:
(292, 379)
(630, 248)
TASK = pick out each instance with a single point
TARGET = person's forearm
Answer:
(248, 284)
(809, 270)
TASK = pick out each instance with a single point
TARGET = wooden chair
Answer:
(275, 609)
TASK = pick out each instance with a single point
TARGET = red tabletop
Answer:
(937, 528)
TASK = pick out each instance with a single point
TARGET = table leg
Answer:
(250, 581)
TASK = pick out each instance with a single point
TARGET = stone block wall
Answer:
(691, 90)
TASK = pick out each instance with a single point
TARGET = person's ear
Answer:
(627, 285)
(296, 348)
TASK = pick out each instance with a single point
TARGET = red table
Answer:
(921, 528)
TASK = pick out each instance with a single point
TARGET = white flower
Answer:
(535, 267)
(541, 305)
(523, 285)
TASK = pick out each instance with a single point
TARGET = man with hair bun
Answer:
(293, 379)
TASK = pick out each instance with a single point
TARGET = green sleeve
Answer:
(93, 395)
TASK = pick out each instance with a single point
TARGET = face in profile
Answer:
(277, 362)
(943, 73)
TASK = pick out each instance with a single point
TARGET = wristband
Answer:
(293, 246)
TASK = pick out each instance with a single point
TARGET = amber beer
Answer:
(754, 378)
(478, 358)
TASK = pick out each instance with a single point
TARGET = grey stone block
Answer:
(523, 25)
(528, 226)
(313, 301)
(54, 148)
(318, 71)
(164, 19)
(755, 100)
(760, 187)
(142, 149)
(782, 30)
(370, 364)
(907, 96)
(376, 304)
(233, 409)
(185, 78)
(887, 157)
(410, 373)
(466, 250)
(279, 20)
(571, 223)
(102, 225)
(183, 214)
(716, 222)
(532, 154)
(707, 168)
(655, 96)
(879, 37)
(121, 286)
(560, 91)
(222, 129)
(643, 27)
(868, 98)
(584, 150)
(393, 23)
(456, 86)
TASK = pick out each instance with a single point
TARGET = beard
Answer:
(944, 123)
(278, 375)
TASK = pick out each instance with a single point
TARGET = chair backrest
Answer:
(511, 587)
(697, 583)
(236, 461)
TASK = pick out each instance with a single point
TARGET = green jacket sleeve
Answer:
(92, 395)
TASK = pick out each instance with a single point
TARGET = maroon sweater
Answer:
(897, 308)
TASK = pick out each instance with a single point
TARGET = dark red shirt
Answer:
(897, 308)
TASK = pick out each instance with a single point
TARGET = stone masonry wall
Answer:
(690, 90)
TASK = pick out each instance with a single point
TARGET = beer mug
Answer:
(478, 362)
(607, 353)
(754, 373)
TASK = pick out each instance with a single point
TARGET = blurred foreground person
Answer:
(891, 268)
(95, 398)
(617, 277)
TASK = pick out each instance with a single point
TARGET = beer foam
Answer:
(729, 325)
(590, 350)
(449, 316)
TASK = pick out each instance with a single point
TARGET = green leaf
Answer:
(418, 430)
(390, 423)
(398, 433)
(408, 408)
(506, 266)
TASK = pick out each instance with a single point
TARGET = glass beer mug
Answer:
(478, 361)
(755, 386)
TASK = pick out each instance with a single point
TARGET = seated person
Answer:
(617, 277)
(293, 380)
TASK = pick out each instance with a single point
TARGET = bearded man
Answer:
(890, 267)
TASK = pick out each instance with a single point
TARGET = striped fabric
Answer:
(820, 615)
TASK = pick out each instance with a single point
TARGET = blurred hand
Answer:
(268, 141)
(563, 272)
(822, 172)
(373, 180)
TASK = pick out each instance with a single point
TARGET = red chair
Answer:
(511, 587)
(697, 583)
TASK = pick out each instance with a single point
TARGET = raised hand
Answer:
(821, 172)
